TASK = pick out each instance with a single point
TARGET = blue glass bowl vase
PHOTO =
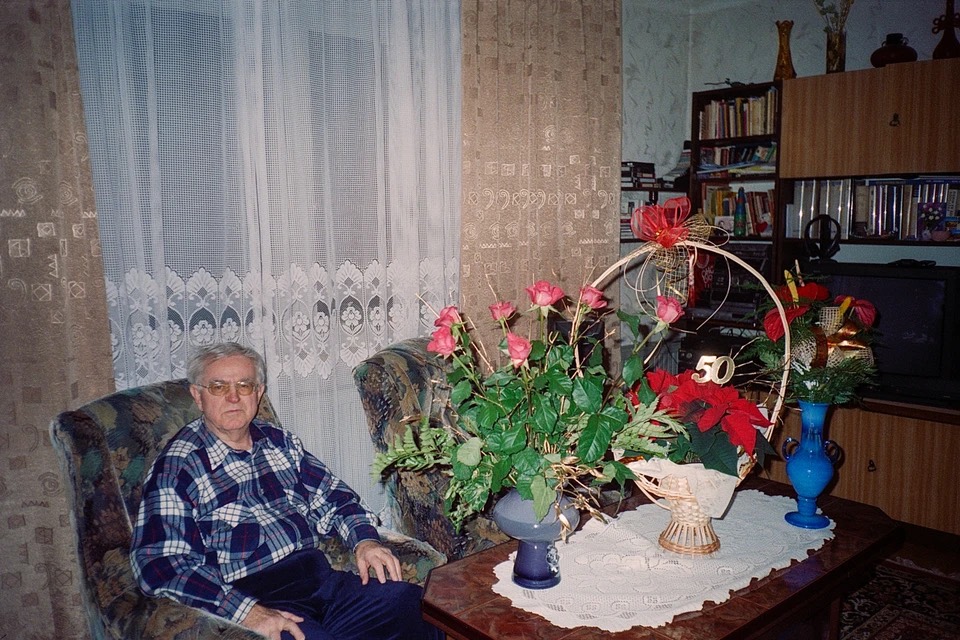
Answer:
(810, 465)
(537, 565)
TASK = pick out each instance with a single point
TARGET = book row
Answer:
(894, 209)
(739, 117)
(720, 202)
(727, 160)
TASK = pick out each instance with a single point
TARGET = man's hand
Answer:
(272, 623)
(372, 554)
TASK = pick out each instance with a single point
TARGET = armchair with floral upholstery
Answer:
(105, 449)
(398, 386)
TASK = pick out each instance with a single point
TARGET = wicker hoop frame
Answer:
(690, 530)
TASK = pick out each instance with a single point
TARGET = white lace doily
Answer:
(615, 575)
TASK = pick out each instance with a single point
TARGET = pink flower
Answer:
(592, 297)
(443, 342)
(544, 294)
(502, 310)
(668, 309)
(448, 317)
(518, 349)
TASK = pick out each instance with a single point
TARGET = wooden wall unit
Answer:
(899, 119)
(906, 466)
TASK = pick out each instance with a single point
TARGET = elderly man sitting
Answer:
(232, 512)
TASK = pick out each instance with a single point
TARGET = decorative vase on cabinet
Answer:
(894, 49)
(784, 69)
(836, 51)
(537, 564)
(810, 465)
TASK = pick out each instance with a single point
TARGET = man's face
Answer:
(228, 416)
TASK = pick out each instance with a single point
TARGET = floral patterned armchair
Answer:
(398, 386)
(106, 448)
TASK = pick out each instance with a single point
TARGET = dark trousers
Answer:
(335, 605)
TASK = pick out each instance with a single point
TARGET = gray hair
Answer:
(213, 352)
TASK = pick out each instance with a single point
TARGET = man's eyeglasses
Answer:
(218, 388)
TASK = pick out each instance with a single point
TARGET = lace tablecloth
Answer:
(615, 575)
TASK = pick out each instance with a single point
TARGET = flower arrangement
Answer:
(834, 14)
(544, 422)
(831, 354)
(551, 420)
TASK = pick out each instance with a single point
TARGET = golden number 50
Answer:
(717, 369)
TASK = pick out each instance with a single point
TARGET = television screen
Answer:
(916, 345)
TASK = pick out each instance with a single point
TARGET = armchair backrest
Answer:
(106, 448)
(398, 386)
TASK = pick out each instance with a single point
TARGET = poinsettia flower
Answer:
(669, 310)
(502, 310)
(543, 294)
(592, 297)
(448, 317)
(518, 348)
(863, 309)
(443, 342)
(773, 325)
(662, 224)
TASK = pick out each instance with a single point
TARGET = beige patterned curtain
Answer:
(541, 146)
(54, 340)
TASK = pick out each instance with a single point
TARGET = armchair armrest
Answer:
(416, 558)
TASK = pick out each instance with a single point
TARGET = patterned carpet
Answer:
(900, 603)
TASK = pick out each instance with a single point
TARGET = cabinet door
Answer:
(923, 124)
(829, 124)
(897, 119)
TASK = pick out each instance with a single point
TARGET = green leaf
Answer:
(488, 414)
(537, 351)
(595, 439)
(501, 469)
(618, 472)
(461, 391)
(560, 356)
(511, 395)
(714, 450)
(632, 369)
(631, 321)
(468, 453)
(545, 415)
(527, 462)
(587, 394)
(559, 382)
(511, 440)
(543, 496)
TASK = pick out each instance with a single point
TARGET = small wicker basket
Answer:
(690, 530)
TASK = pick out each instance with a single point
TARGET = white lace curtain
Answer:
(282, 174)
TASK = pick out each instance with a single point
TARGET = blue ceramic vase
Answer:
(537, 565)
(810, 465)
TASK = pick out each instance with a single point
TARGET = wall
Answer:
(696, 45)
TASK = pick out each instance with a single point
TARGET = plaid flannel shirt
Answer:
(211, 515)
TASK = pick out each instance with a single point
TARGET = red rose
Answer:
(448, 317)
(592, 297)
(544, 294)
(502, 310)
(443, 342)
(518, 348)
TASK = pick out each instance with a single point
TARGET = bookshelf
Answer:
(735, 140)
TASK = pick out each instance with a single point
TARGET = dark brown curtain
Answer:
(541, 146)
(54, 339)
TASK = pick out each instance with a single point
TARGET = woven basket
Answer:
(690, 530)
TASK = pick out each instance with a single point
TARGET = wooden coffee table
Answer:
(802, 599)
